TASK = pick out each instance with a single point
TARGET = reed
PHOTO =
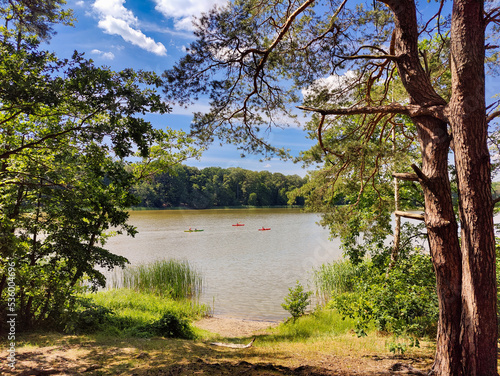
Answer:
(335, 278)
(173, 278)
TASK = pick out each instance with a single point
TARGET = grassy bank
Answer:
(128, 313)
(319, 344)
(141, 330)
(146, 300)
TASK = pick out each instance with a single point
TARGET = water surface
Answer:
(246, 272)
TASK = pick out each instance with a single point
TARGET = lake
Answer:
(246, 272)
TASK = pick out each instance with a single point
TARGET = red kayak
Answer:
(239, 224)
(264, 229)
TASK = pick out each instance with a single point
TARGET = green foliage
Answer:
(170, 278)
(87, 317)
(402, 302)
(171, 326)
(123, 312)
(66, 127)
(354, 190)
(184, 186)
(399, 345)
(320, 323)
(296, 301)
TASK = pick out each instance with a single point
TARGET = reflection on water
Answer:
(246, 272)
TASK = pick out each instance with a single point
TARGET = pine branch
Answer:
(393, 108)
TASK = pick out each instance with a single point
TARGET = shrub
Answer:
(88, 317)
(296, 301)
(402, 302)
(172, 326)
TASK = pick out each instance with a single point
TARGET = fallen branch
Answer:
(234, 345)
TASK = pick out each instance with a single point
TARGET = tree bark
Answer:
(442, 230)
(440, 220)
(467, 117)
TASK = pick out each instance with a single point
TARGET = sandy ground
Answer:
(232, 327)
(73, 355)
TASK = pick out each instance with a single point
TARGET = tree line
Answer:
(210, 187)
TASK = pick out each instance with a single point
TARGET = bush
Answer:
(403, 302)
(88, 317)
(171, 326)
(296, 301)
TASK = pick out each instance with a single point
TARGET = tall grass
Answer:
(173, 278)
(335, 278)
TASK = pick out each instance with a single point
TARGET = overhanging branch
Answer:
(492, 116)
(393, 108)
(371, 57)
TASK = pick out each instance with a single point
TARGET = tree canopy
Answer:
(67, 127)
(213, 187)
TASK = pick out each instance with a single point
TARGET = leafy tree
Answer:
(215, 187)
(67, 127)
(252, 57)
(296, 301)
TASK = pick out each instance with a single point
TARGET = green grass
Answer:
(132, 310)
(319, 324)
(174, 278)
(147, 305)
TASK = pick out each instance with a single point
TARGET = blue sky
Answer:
(152, 35)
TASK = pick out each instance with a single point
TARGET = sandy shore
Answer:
(232, 327)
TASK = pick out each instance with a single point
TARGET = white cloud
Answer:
(115, 9)
(185, 23)
(115, 19)
(339, 87)
(197, 107)
(104, 55)
(184, 10)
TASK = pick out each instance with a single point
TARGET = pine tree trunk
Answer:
(467, 116)
(440, 220)
(442, 231)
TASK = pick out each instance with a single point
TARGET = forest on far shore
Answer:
(211, 187)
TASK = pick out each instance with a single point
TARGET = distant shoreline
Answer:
(139, 208)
